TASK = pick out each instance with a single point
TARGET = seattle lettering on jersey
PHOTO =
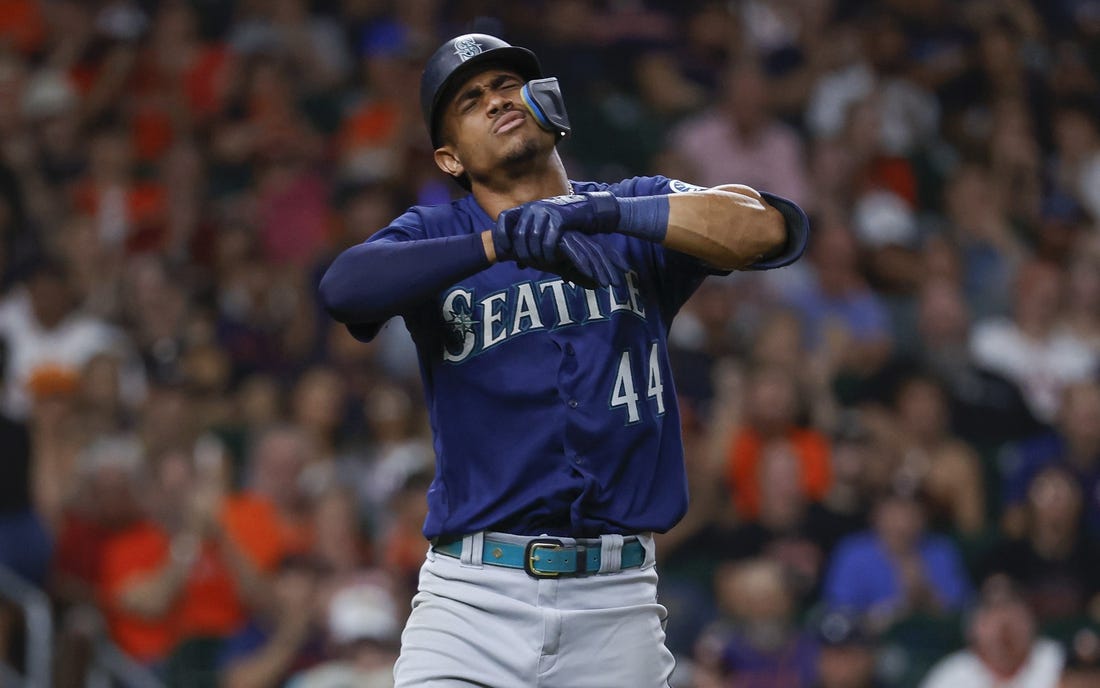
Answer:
(477, 324)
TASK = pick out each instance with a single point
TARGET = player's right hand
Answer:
(588, 263)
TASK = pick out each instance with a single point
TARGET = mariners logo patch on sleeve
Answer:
(678, 186)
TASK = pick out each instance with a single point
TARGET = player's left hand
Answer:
(542, 234)
(536, 227)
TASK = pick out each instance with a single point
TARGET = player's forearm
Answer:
(726, 229)
(372, 282)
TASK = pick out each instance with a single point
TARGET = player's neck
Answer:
(538, 181)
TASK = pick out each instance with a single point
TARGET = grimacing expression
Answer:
(485, 125)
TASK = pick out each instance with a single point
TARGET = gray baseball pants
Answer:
(474, 624)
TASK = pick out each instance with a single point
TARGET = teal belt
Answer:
(547, 557)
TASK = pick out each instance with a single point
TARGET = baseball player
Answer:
(540, 308)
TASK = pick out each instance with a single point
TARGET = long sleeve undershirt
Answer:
(374, 281)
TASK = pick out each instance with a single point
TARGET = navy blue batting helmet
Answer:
(458, 58)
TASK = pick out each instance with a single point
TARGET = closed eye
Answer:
(471, 96)
(506, 83)
(468, 99)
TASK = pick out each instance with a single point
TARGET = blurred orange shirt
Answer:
(22, 25)
(743, 463)
(131, 554)
(146, 212)
(200, 89)
(209, 604)
(371, 124)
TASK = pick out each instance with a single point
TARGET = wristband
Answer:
(645, 217)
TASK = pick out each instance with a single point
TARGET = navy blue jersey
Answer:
(552, 406)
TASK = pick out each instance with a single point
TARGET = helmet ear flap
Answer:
(544, 101)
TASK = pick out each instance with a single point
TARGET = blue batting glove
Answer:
(540, 235)
(588, 263)
(599, 212)
(534, 228)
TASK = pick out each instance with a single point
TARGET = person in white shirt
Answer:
(1005, 650)
(45, 329)
(1031, 349)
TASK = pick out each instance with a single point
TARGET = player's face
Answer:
(485, 127)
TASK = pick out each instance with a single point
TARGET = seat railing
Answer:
(38, 624)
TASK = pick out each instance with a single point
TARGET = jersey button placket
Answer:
(573, 403)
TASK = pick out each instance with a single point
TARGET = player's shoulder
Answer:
(434, 220)
(435, 213)
(639, 186)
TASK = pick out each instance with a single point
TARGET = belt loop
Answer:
(650, 547)
(611, 553)
(473, 547)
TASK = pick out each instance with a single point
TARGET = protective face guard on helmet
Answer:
(544, 101)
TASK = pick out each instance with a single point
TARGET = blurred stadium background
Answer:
(893, 446)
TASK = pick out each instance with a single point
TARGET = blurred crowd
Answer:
(893, 446)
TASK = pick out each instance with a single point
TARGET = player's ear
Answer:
(446, 160)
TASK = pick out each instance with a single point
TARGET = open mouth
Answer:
(508, 122)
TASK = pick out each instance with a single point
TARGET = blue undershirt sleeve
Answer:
(369, 283)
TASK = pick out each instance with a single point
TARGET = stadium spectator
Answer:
(986, 409)
(772, 415)
(1004, 648)
(860, 470)
(897, 568)
(842, 317)
(1082, 667)
(978, 223)
(757, 642)
(280, 469)
(739, 138)
(25, 546)
(317, 408)
(1031, 349)
(46, 330)
(1055, 565)
(846, 657)
(396, 453)
(380, 124)
(191, 568)
(1077, 151)
(1082, 313)
(175, 177)
(106, 500)
(790, 528)
(946, 469)
(1074, 443)
(277, 642)
(291, 631)
(401, 547)
(129, 213)
(362, 630)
